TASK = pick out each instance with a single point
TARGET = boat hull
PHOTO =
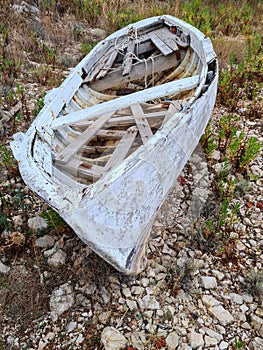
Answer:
(115, 214)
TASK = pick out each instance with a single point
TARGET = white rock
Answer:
(47, 339)
(213, 334)
(150, 302)
(256, 344)
(37, 223)
(57, 259)
(216, 309)
(184, 346)
(72, 325)
(172, 341)
(210, 341)
(223, 345)
(236, 298)
(209, 282)
(126, 292)
(112, 339)
(244, 308)
(195, 339)
(132, 305)
(61, 300)
(17, 220)
(257, 324)
(46, 241)
(3, 268)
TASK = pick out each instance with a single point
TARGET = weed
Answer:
(54, 220)
(181, 276)
(238, 344)
(253, 284)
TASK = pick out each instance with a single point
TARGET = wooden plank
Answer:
(83, 138)
(152, 93)
(168, 38)
(139, 70)
(122, 148)
(109, 63)
(127, 62)
(141, 122)
(160, 44)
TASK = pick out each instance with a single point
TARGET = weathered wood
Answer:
(127, 62)
(168, 38)
(108, 64)
(160, 44)
(141, 122)
(87, 135)
(125, 101)
(122, 149)
(139, 70)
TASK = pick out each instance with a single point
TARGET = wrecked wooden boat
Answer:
(111, 141)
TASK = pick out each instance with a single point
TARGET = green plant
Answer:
(238, 344)
(54, 220)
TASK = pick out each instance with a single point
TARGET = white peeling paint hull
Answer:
(114, 215)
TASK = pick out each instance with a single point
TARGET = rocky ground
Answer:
(199, 289)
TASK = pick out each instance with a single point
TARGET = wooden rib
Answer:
(122, 148)
(115, 121)
(127, 62)
(160, 44)
(152, 93)
(83, 138)
(141, 122)
(139, 70)
(175, 106)
(76, 166)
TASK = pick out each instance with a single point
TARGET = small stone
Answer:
(145, 282)
(210, 341)
(105, 295)
(61, 300)
(209, 282)
(57, 259)
(172, 341)
(195, 339)
(17, 220)
(256, 344)
(126, 292)
(150, 302)
(46, 241)
(79, 339)
(132, 305)
(237, 299)
(37, 223)
(71, 326)
(184, 346)
(213, 334)
(257, 324)
(223, 345)
(3, 268)
(112, 339)
(244, 308)
(216, 309)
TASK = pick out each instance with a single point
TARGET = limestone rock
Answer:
(61, 300)
(217, 310)
(57, 259)
(37, 223)
(112, 339)
(3, 268)
(46, 241)
(195, 339)
(208, 282)
(172, 341)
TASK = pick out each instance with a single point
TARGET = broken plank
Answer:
(127, 62)
(141, 122)
(174, 107)
(168, 38)
(122, 148)
(139, 70)
(109, 63)
(82, 139)
(160, 44)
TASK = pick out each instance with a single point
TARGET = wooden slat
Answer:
(127, 62)
(152, 93)
(83, 138)
(160, 44)
(108, 64)
(139, 70)
(122, 148)
(141, 122)
(168, 38)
